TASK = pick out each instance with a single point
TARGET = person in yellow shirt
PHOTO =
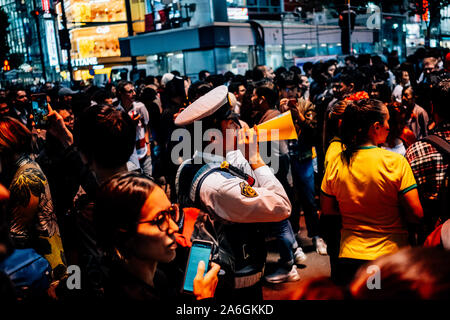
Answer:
(373, 190)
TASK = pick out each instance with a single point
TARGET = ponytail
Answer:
(356, 122)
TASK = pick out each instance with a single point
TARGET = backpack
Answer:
(443, 201)
(29, 272)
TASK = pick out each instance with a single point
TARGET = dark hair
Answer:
(357, 119)
(411, 273)
(307, 66)
(384, 92)
(268, 93)
(280, 70)
(202, 75)
(149, 80)
(258, 73)
(440, 98)
(432, 53)
(352, 59)
(15, 138)
(121, 85)
(175, 88)
(198, 89)
(229, 76)
(397, 121)
(118, 208)
(286, 79)
(101, 95)
(234, 86)
(107, 136)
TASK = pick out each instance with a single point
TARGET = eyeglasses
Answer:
(162, 219)
(130, 91)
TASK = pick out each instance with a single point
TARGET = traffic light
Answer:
(35, 13)
(6, 66)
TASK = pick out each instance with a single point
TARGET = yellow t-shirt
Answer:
(334, 149)
(368, 192)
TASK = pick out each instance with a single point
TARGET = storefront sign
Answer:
(103, 30)
(237, 13)
(46, 5)
(51, 43)
(84, 62)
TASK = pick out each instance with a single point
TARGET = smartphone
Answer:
(200, 251)
(39, 109)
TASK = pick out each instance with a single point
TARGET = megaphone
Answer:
(279, 128)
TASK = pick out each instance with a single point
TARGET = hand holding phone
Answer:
(195, 280)
(205, 285)
(39, 108)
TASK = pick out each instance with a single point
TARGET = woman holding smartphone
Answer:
(136, 225)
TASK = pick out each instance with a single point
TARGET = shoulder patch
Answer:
(247, 190)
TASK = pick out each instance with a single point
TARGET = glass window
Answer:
(239, 59)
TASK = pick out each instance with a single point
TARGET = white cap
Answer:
(204, 106)
(166, 78)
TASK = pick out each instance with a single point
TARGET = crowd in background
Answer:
(102, 151)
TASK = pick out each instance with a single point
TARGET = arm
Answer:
(205, 286)
(329, 204)
(234, 200)
(411, 206)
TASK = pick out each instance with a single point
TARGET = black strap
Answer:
(440, 144)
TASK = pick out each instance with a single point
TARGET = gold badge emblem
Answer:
(247, 191)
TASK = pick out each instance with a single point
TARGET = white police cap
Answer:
(205, 106)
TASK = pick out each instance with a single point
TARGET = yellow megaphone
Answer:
(279, 128)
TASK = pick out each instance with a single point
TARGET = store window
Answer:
(239, 59)
(273, 56)
(102, 41)
(175, 62)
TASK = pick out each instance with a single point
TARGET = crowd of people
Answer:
(93, 183)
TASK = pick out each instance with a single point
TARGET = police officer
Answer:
(234, 185)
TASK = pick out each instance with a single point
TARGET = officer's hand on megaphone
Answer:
(247, 141)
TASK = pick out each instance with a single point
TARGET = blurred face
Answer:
(255, 100)
(67, 117)
(129, 93)
(340, 89)
(268, 73)
(4, 109)
(331, 70)
(150, 243)
(109, 101)
(241, 93)
(67, 99)
(405, 77)
(408, 98)
(374, 93)
(21, 96)
(229, 132)
(383, 129)
(305, 81)
(290, 92)
(429, 64)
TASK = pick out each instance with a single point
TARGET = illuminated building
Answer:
(234, 35)
(95, 27)
(31, 36)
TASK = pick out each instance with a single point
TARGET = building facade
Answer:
(235, 35)
(32, 37)
(94, 29)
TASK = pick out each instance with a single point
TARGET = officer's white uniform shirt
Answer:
(231, 199)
